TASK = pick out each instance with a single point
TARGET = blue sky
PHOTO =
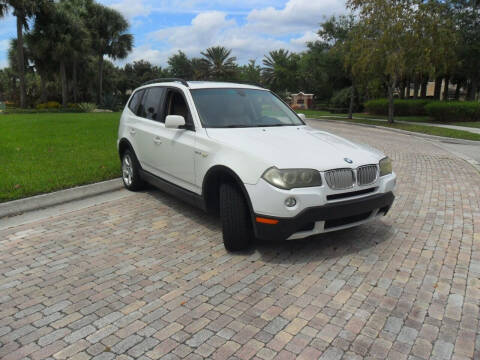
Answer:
(251, 28)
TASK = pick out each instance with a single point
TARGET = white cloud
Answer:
(4, 44)
(295, 17)
(308, 36)
(205, 30)
(145, 52)
(263, 31)
(132, 9)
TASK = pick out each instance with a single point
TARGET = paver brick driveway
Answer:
(148, 277)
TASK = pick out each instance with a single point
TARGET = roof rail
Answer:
(182, 81)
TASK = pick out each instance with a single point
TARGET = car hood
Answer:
(296, 147)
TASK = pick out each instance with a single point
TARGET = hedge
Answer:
(454, 111)
(402, 107)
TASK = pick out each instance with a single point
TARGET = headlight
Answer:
(385, 166)
(292, 178)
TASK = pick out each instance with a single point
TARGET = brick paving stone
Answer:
(53, 336)
(147, 277)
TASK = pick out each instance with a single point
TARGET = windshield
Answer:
(224, 108)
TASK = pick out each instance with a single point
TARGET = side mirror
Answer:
(174, 121)
(302, 116)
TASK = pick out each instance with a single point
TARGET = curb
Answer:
(37, 202)
(471, 161)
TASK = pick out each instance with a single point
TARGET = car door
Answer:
(176, 162)
(147, 126)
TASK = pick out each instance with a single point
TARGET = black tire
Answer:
(235, 216)
(136, 183)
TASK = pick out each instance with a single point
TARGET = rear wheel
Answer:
(235, 215)
(131, 171)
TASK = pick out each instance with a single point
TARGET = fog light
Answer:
(290, 202)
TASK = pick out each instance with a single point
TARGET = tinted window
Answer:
(135, 101)
(150, 107)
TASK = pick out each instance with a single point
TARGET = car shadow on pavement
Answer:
(314, 248)
(326, 246)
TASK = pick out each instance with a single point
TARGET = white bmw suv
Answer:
(240, 151)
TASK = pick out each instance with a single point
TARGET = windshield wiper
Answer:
(236, 126)
(274, 125)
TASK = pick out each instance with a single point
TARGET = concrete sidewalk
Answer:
(453, 127)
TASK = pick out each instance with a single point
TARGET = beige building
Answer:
(301, 101)
(431, 90)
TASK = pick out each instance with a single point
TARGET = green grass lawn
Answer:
(40, 153)
(424, 129)
(430, 130)
(425, 119)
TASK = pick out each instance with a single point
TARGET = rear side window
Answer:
(135, 101)
(151, 103)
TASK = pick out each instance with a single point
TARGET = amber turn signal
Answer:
(266, 221)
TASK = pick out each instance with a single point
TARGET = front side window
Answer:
(175, 104)
(224, 108)
(150, 107)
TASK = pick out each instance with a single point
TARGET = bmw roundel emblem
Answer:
(348, 160)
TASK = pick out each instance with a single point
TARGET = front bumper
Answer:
(328, 217)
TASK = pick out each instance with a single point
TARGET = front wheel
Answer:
(235, 216)
(131, 171)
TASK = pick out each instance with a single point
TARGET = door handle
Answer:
(157, 140)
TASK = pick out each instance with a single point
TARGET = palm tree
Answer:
(107, 28)
(80, 43)
(200, 69)
(13, 60)
(22, 10)
(276, 71)
(57, 37)
(41, 50)
(221, 66)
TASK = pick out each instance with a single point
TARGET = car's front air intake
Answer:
(339, 179)
(367, 174)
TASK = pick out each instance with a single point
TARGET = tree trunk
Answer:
(473, 90)
(402, 89)
(43, 89)
(63, 77)
(100, 80)
(407, 93)
(445, 89)
(391, 87)
(415, 89)
(352, 102)
(74, 80)
(438, 88)
(457, 90)
(423, 90)
(21, 60)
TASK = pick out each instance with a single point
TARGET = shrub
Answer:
(111, 102)
(401, 107)
(454, 111)
(86, 107)
(48, 105)
(340, 100)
